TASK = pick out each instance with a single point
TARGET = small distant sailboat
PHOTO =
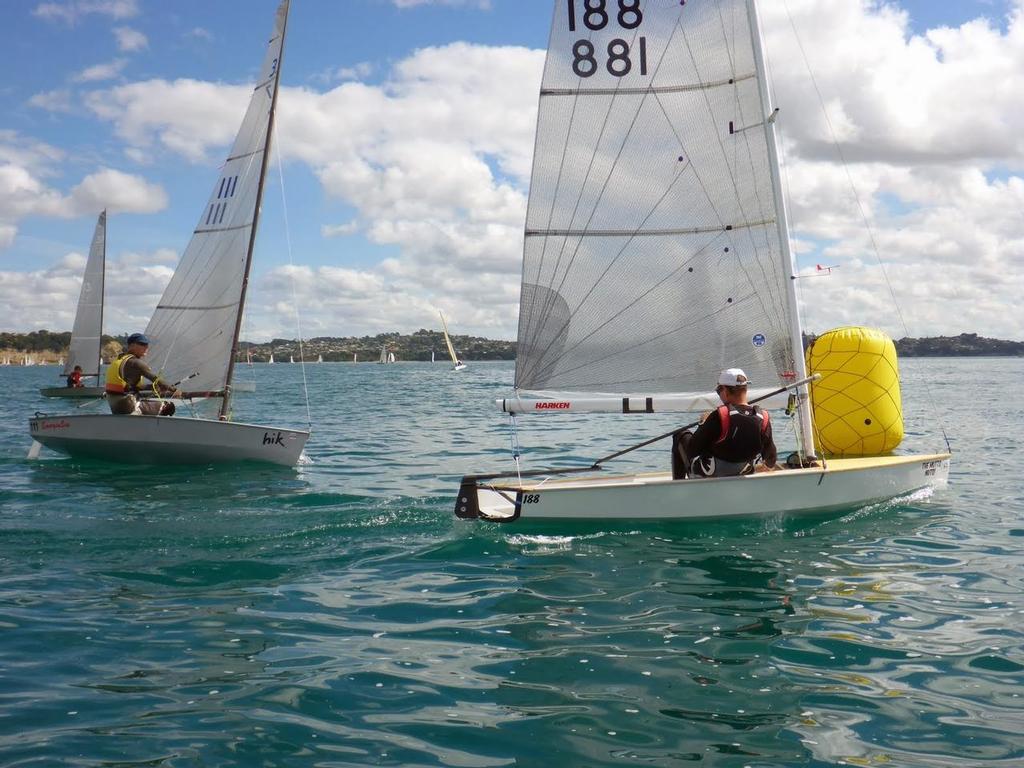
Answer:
(84, 349)
(205, 298)
(291, 359)
(271, 360)
(386, 355)
(319, 358)
(457, 364)
(355, 357)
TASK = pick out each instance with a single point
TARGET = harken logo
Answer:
(549, 405)
(759, 340)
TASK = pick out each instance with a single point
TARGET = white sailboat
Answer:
(457, 365)
(195, 329)
(270, 361)
(319, 358)
(86, 332)
(386, 355)
(656, 254)
(355, 357)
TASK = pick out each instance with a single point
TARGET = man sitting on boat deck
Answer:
(75, 378)
(124, 376)
(731, 440)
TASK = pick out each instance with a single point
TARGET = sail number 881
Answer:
(596, 15)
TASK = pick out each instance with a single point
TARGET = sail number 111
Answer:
(596, 15)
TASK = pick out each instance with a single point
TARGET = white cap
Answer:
(733, 377)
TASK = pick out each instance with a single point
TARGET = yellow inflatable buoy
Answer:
(856, 403)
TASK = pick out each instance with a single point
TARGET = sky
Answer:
(403, 149)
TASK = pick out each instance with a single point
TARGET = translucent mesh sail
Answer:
(192, 331)
(652, 255)
(84, 349)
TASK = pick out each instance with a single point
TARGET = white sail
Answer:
(652, 256)
(193, 330)
(458, 364)
(383, 354)
(84, 349)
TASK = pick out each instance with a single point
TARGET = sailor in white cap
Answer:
(734, 439)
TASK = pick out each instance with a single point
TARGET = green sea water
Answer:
(338, 614)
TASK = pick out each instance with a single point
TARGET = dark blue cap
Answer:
(138, 338)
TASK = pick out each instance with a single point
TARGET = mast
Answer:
(782, 221)
(103, 288)
(226, 402)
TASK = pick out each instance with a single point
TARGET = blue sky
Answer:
(81, 103)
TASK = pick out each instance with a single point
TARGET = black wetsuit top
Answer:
(749, 436)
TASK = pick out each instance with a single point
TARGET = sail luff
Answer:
(226, 402)
(782, 218)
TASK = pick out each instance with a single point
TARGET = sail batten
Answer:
(652, 253)
(647, 90)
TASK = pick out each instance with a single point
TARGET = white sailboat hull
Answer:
(166, 439)
(843, 484)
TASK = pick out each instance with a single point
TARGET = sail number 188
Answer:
(596, 15)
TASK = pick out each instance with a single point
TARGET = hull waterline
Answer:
(843, 484)
(166, 439)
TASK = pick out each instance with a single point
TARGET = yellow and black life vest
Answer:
(116, 384)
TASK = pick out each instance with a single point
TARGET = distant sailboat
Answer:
(84, 349)
(319, 358)
(457, 364)
(271, 360)
(386, 355)
(432, 356)
(291, 359)
(355, 357)
(197, 322)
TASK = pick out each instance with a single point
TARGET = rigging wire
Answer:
(860, 206)
(291, 275)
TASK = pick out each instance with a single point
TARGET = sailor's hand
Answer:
(176, 394)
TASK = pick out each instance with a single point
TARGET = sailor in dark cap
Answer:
(124, 376)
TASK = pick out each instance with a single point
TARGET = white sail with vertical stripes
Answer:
(192, 331)
(84, 349)
(654, 253)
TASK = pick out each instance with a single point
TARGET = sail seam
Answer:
(210, 306)
(243, 155)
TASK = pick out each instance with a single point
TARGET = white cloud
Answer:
(58, 100)
(25, 167)
(200, 33)
(72, 10)
(47, 298)
(129, 39)
(186, 116)
(339, 230)
(98, 72)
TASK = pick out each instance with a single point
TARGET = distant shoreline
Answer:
(48, 347)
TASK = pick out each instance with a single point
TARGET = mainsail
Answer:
(193, 331)
(654, 253)
(84, 349)
(448, 341)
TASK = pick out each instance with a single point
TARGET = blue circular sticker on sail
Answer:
(759, 340)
